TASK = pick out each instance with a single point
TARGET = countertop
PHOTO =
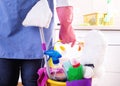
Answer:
(103, 28)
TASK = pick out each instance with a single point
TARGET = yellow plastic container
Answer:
(55, 83)
(93, 18)
(97, 19)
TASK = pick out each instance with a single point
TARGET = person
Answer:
(20, 47)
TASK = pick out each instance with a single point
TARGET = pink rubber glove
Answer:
(65, 15)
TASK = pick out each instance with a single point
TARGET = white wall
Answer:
(82, 7)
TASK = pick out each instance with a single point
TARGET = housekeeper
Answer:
(20, 46)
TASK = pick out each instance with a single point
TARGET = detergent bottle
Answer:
(75, 72)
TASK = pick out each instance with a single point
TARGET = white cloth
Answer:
(88, 72)
(61, 3)
(40, 15)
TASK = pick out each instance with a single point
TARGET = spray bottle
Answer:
(55, 55)
(57, 72)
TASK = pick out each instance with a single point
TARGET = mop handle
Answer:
(44, 48)
(42, 39)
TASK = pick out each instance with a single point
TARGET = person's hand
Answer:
(66, 34)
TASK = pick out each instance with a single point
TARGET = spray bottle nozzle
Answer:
(55, 55)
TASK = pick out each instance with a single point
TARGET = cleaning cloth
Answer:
(40, 15)
(42, 77)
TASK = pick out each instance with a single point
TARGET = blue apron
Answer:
(17, 41)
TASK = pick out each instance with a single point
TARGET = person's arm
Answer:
(64, 10)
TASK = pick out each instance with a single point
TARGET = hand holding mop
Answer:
(37, 17)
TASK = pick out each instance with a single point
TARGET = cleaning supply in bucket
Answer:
(88, 72)
(76, 71)
(66, 65)
(57, 72)
(54, 55)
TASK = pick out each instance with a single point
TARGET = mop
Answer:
(37, 17)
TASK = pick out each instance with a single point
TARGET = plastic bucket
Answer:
(55, 83)
(82, 82)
